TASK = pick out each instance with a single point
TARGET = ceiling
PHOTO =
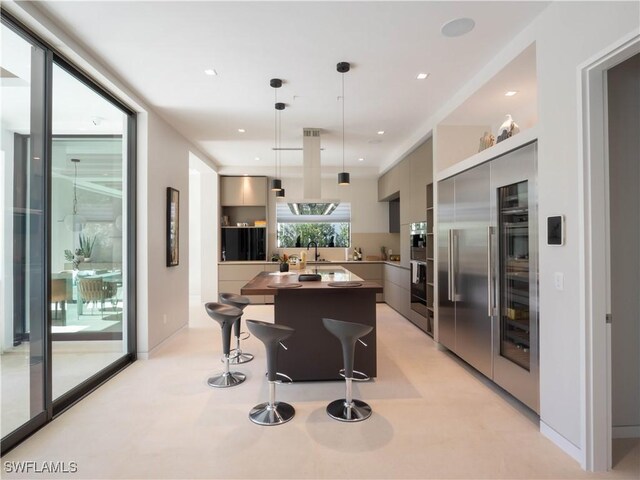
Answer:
(161, 49)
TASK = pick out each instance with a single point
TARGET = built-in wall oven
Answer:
(418, 249)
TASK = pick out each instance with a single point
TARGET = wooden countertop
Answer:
(259, 285)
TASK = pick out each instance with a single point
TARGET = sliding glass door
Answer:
(23, 232)
(88, 248)
(67, 230)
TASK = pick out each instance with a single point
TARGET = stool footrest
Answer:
(357, 376)
(237, 356)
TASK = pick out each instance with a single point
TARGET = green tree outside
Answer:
(322, 233)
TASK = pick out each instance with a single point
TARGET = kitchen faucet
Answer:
(315, 244)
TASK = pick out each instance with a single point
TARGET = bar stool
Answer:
(271, 412)
(348, 409)
(238, 301)
(225, 315)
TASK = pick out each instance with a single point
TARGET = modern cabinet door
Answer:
(255, 191)
(231, 191)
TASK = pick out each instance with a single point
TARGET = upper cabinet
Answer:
(243, 191)
(420, 175)
(408, 181)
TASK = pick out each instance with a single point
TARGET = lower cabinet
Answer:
(372, 272)
(231, 278)
(397, 289)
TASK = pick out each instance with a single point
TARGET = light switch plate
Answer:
(558, 280)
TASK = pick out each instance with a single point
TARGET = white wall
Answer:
(567, 35)
(195, 232)
(168, 287)
(203, 221)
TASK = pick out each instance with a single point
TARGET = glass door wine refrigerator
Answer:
(514, 273)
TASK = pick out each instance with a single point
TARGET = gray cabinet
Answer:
(397, 286)
(243, 191)
(394, 216)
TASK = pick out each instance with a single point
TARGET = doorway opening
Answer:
(623, 114)
(611, 246)
(203, 231)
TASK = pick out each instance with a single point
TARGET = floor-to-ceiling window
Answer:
(67, 278)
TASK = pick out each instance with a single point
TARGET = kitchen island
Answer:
(313, 353)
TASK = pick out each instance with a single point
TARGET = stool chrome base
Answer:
(237, 357)
(339, 410)
(227, 379)
(265, 414)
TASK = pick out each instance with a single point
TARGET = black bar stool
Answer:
(271, 412)
(238, 301)
(225, 315)
(348, 409)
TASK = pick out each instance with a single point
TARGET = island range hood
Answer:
(311, 204)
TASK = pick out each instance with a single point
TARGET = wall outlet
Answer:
(558, 280)
(164, 318)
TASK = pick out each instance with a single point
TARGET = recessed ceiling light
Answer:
(380, 132)
(211, 72)
(458, 27)
(361, 159)
(241, 130)
(510, 93)
(422, 76)
(257, 159)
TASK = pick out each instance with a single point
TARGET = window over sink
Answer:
(332, 230)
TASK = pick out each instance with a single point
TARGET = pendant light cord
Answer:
(279, 157)
(275, 133)
(343, 122)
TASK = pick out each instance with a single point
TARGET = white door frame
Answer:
(594, 250)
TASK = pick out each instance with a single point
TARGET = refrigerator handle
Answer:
(449, 264)
(490, 292)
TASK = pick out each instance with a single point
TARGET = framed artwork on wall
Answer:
(173, 224)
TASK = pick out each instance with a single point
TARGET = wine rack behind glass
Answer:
(513, 228)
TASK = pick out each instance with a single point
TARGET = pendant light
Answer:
(75, 222)
(279, 108)
(276, 183)
(343, 177)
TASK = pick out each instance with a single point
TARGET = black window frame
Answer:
(53, 408)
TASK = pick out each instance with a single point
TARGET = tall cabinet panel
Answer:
(446, 225)
(472, 215)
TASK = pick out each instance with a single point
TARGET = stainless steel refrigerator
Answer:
(488, 270)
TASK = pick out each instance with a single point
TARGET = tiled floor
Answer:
(433, 418)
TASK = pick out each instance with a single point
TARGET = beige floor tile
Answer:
(433, 418)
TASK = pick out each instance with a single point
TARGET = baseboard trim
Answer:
(628, 431)
(154, 351)
(565, 445)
